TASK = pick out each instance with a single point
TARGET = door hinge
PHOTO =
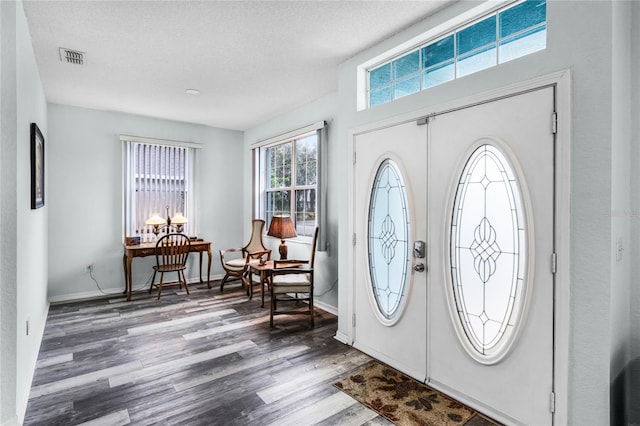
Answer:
(354, 157)
(552, 402)
(425, 120)
(353, 320)
(554, 263)
(554, 123)
(353, 239)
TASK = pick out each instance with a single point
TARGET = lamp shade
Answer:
(178, 219)
(155, 220)
(282, 227)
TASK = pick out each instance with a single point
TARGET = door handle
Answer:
(419, 267)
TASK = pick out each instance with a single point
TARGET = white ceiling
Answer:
(251, 60)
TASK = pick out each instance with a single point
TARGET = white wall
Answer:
(23, 279)
(621, 132)
(583, 45)
(85, 195)
(633, 368)
(8, 232)
(326, 271)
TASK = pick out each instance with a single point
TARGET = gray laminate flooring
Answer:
(201, 359)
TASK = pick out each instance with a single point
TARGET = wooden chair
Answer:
(292, 281)
(234, 261)
(172, 251)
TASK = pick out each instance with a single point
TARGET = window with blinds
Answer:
(159, 180)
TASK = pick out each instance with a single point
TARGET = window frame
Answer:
(263, 187)
(436, 34)
(129, 182)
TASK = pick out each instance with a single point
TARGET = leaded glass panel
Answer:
(488, 240)
(388, 238)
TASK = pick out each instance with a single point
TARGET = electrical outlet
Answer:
(619, 249)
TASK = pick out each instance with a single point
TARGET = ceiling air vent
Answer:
(71, 56)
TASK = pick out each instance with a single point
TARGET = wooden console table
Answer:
(149, 249)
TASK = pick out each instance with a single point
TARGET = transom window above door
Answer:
(489, 39)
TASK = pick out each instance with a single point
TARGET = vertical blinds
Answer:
(158, 178)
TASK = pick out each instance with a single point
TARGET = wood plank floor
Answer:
(201, 359)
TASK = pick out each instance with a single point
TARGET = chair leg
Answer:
(273, 308)
(153, 279)
(160, 285)
(312, 311)
(250, 286)
(243, 281)
(186, 286)
(224, 280)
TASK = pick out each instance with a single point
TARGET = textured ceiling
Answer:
(251, 60)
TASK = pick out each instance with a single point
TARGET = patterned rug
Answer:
(405, 401)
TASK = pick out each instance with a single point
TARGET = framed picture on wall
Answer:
(37, 167)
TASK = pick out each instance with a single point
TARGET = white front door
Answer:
(389, 216)
(491, 284)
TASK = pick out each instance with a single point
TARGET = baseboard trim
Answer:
(108, 292)
(22, 404)
(12, 422)
(326, 307)
(342, 338)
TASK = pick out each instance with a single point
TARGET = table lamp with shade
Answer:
(178, 220)
(282, 227)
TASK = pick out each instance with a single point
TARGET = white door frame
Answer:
(562, 81)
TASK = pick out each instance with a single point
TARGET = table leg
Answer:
(200, 268)
(209, 268)
(129, 279)
(263, 280)
(124, 268)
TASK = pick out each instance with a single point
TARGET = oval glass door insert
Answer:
(388, 238)
(488, 253)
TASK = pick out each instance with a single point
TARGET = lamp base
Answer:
(282, 249)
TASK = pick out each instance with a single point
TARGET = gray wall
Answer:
(326, 271)
(85, 195)
(23, 232)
